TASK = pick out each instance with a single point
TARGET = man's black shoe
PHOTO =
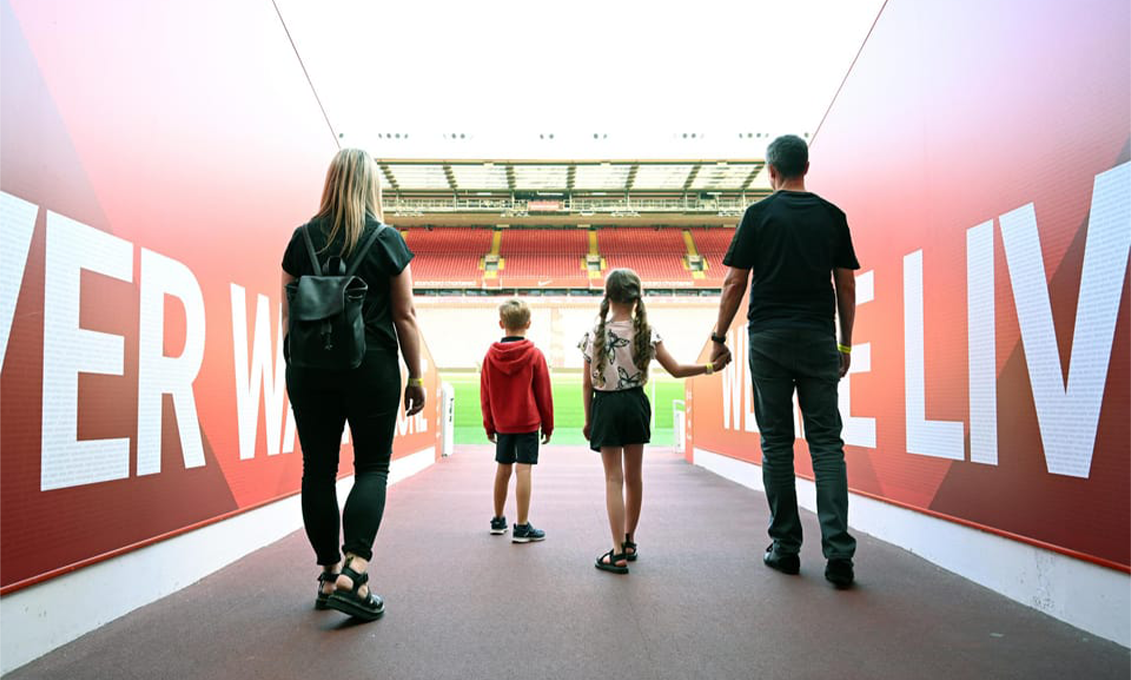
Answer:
(784, 562)
(839, 572)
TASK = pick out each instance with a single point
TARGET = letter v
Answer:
(1069, 415)
(17, 223)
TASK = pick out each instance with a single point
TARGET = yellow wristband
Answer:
(710, 368)
(845, 349)
(416, 382)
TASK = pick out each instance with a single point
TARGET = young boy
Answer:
(514, 393)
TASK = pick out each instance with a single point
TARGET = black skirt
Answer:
(620, 418)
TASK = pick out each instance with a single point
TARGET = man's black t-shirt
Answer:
(388, 256)
(791, 241)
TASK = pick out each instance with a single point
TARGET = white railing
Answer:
(585, 206)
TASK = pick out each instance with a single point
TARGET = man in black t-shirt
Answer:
(791, 248)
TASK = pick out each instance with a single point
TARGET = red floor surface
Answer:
(463, 604)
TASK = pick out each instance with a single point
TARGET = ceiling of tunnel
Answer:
(580, 79)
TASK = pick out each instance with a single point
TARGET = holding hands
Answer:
(720, 356)
(720, 353)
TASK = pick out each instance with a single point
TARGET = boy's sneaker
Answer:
(525, 533)
(498, 525)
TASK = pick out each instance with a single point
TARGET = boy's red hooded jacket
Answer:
(514, 389)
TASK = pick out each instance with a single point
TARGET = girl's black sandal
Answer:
(629, 545)
(367, 608)
(611, 565)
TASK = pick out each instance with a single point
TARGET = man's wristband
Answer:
(844, 349)
(416, 382)
(721, 339)
(710, 368)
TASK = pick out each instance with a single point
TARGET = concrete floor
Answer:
(463, 604)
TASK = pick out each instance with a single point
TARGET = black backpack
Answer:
(326, 328)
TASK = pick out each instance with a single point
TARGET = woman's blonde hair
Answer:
(623, 287)
(352, 191)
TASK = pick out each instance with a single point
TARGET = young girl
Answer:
(617, 414)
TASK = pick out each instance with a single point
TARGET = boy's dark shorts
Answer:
(519, 446)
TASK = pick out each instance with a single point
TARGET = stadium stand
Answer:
(655, 254)
(712, 244)
(545, 254)
(470, 240)
(447, 257)
(553, 258)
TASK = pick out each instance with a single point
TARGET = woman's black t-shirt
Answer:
(387, 257)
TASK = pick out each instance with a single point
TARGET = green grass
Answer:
(569, 415)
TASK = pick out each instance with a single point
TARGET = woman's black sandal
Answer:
(367, 608)
(629, 545)
(611, 565)
(324, 578)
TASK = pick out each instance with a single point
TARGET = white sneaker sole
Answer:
(525, 539)
(498, 532)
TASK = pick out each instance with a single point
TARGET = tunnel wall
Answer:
(981, 154)
(154, 161)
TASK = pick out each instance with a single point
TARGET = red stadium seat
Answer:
(657, 255)
(712, 243)
(448, 258)
(545, 254)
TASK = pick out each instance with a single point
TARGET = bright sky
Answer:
(639, 73)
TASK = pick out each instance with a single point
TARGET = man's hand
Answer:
(719, 352)
(491, 437)
(585, 430)
(845, 362)
(545, 439)
(413, 399)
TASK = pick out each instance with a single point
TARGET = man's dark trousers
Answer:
(781, 360)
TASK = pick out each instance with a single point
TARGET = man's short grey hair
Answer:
(788, 154)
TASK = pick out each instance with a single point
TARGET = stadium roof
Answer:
(678, 192)
(574, 177)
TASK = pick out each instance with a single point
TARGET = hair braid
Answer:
(600, 346)
(642, 349)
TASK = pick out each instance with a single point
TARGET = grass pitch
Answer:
(569, 415)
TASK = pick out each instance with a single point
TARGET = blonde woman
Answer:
(617, 414)
(367, 396)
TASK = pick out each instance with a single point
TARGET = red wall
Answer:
(981, 152)
(154, 160)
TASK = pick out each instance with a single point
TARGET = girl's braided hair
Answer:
(623, 286)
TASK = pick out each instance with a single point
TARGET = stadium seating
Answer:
(545, 253)
(654, 254)
(712, 243)
(447, 257)
(712, 239)
(470, 240)
(453, 257)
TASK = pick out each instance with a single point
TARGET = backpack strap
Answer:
(360, 254)
(310, 250)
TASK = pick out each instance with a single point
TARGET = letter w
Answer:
(1069, 415)
(272, 379)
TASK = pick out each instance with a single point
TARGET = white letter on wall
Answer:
(742, 356)
(858, 430)
(158, 374)
(262, 374)
(938, 438)
(981, 343)
(17, 223)
(69, 350)
(1069, 415)
(732, 384)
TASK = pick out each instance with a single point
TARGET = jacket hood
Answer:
(511, 357)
